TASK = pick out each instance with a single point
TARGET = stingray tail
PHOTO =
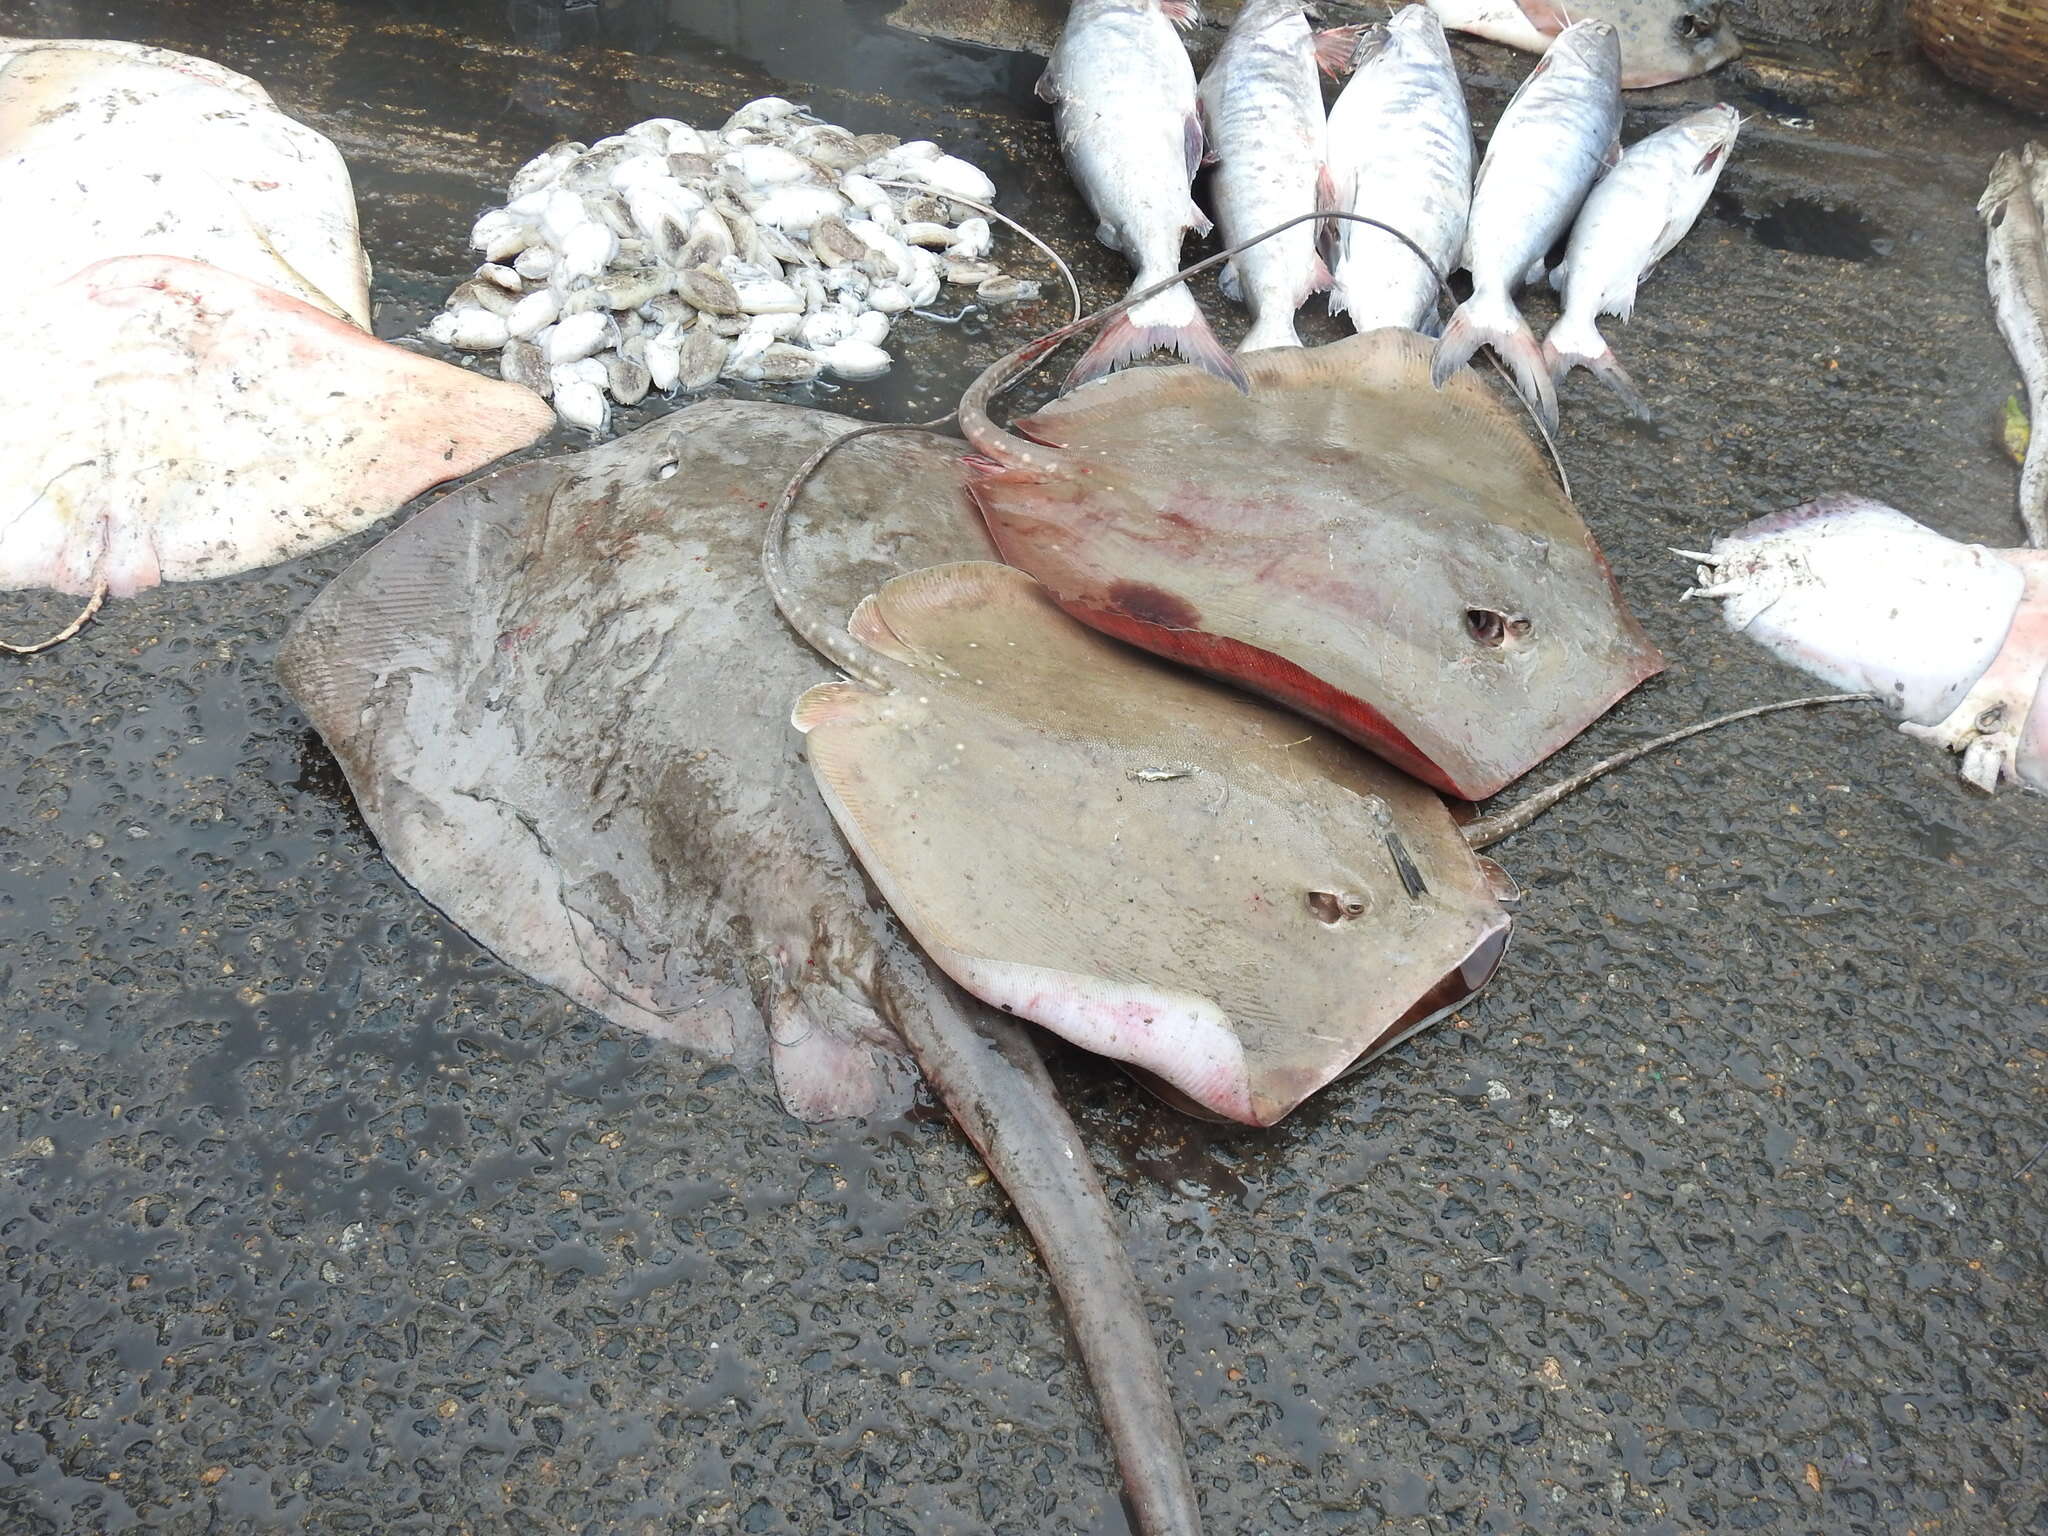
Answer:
(1577, 343)
(986, 1070)
(1490, 319)
(1167, 322)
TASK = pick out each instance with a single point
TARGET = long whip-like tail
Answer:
(1489, 830)
(84, 617)
(987, 1071)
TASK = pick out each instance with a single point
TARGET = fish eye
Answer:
(664, 470)
(1690, 25)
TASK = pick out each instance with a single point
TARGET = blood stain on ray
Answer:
(1153, 605)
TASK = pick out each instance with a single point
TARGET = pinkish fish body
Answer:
(1951, 637)
(1661, 40)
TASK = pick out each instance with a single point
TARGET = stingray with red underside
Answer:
(1394, 561)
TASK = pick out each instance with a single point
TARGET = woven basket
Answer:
(1998, 46)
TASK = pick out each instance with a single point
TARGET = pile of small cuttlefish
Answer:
(667, 257)
(1396, 147)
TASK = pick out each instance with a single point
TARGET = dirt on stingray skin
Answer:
(1717, 1212)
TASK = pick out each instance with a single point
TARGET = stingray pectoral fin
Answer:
(824, 1050)
(1181, 1038)
(828, 702)
(1550, 17)
(1158, 867)
(268, 428)
(387, 617)
(1423, 583)
(987, 1073)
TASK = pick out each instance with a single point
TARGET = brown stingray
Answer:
(1159, 868)
(560, 695)
(1393, 560)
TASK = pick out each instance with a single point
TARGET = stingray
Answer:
(115, 149)
(1394, 561)
(1187, 879)
(561, 697)
(1235, 902)
(165, 420)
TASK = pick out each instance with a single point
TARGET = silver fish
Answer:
(1661, 40)
(2015, 209)
(1562, 126)
(1400, 152)
(1123, 97)
(1262, 107)
(1637, 213)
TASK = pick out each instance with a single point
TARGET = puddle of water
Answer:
(830, 44)
(1807, 226)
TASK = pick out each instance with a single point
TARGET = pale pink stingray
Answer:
(115, 149)
(163, 420)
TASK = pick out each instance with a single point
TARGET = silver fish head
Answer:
(1666, 40)
(1591, 47)
(1712, 131)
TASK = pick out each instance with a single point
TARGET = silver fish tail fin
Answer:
(1491, 320)
(1574, 343)
(1271, 330)
(1167, 322)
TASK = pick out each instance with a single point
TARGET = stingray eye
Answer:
(1334, 907)
(1690, 25)
(664, 470)
(1486, 626)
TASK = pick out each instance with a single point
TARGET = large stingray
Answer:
(1229, 898)
(561, 697)
(1395, 561)
(165, 420)
(116, 149)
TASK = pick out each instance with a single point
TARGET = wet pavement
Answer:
(1718, 1210)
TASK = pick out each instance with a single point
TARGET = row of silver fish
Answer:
(1395, 147)
(773, 249)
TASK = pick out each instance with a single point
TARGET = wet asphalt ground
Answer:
(1718, 1211)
